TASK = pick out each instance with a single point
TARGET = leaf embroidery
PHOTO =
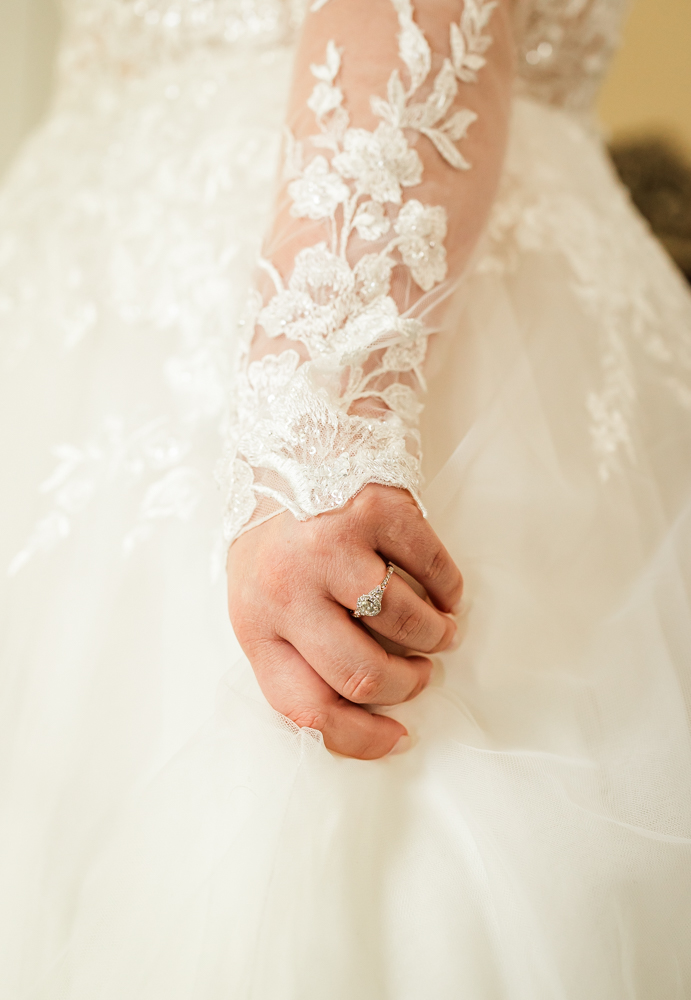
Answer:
(303, 441)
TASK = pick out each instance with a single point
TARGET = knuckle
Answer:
(331, 538)
(364, 685)
(437, 563)
(375, 498)
(234, 594)
(307, 717)
(247, 608)
(408, 510)
(286, 592)
(408, 627)
(262, 651)
(277, 579)
(233, 604)
(242, 620)
(366, 504)
(317, 530)
(403, 522)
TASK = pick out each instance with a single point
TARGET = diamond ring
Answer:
(369, 605)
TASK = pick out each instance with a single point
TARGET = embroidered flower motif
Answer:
(402, 401)
(325, 453)
(332, 309)
(379, 162)
(325, 98)
(405, 357)
(370, 326)
(371, 222)
(422, 229)
(318, 192)
(373, 276)
(270, 375)
(319, 298)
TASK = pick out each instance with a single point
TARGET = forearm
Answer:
(379, 207)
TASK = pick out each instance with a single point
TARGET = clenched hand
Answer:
(290, 587)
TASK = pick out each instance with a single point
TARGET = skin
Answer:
(290, 585)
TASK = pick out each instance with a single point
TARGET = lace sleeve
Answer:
(377, 213)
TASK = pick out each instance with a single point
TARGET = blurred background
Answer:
(645, 105)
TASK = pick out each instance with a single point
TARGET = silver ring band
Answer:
(369, 605)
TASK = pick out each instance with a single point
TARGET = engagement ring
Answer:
(369, 605)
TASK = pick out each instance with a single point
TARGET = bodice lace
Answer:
(122, 40)
(564, 46)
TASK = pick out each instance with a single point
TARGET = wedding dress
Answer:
(164, 833)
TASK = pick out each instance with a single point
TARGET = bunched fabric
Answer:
(164, 834)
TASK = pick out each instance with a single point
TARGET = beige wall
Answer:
(649, 88)
(28, 34)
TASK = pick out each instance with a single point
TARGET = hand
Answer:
(290, 585)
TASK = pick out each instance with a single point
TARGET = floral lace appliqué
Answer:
(339, 409)
(632, 301)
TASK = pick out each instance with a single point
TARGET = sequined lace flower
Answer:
(402, 401)
(373, 276)
(371, 222)
(319, 298)
(380, 162)
(318, 193)
(422, 229)
(270, 375)
(324, 98)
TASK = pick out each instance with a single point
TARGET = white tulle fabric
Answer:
(535, 842)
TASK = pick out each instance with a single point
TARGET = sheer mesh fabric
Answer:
(395, 136)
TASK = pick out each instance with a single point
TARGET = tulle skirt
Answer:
(165, 835)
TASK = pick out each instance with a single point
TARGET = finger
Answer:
(292, 688)
(410, 542)
(350, 660)
(405, 618)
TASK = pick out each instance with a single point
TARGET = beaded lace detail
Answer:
(564, 48)
(540, 210)
(338, 409)
(124, 40)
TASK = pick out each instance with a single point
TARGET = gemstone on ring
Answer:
(369, 605)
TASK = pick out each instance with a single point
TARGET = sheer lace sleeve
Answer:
(394, 143)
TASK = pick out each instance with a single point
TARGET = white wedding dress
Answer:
(164, 834)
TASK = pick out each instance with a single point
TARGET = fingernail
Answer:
(400, 746)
